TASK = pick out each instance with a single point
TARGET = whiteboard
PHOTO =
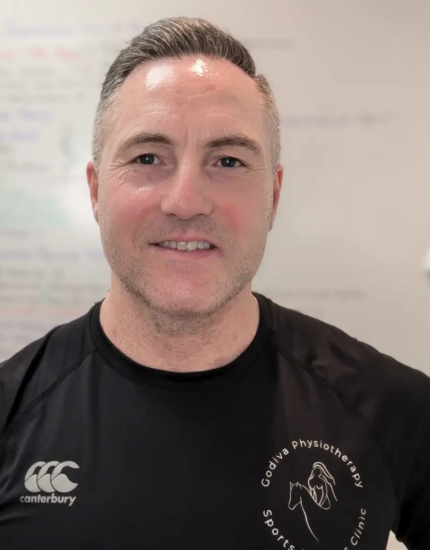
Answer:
(352, 80)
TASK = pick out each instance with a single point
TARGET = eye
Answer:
(147, 158)
(230, 162)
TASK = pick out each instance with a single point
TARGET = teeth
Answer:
(184, 245)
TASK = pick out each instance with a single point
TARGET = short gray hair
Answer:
(179, 37)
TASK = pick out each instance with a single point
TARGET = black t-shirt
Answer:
(310, 439)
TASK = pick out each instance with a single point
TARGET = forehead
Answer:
(196, 93)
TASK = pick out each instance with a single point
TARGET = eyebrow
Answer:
(235, 140)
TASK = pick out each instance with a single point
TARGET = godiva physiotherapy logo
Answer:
(315, 497)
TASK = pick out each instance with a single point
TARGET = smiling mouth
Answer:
(185, 246)
(185, 253)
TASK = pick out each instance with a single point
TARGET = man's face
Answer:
(182, 185)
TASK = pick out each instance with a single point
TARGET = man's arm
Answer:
(12, 374)
(15, 373)
(413, 523)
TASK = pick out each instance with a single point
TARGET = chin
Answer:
(185, 300)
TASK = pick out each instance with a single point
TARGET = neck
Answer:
(179, 343)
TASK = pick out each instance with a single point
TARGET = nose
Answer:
(187, 193)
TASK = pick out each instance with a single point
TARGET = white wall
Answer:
(352, 79)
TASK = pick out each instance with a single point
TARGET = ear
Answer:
(93, 183)
(277, 185)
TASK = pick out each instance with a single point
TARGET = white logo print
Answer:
(318, 491)
(45, 481)
(316, 498)
(49, 483)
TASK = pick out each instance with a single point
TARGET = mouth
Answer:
(174, 253)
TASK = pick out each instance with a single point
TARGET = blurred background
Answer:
(351, 243)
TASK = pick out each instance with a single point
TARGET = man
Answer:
(185, 410)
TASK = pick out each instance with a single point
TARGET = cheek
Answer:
(128, 208)
(246, 217)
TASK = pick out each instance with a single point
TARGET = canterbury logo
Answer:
(49, 482)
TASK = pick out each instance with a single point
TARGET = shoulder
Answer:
(351, 367)
(34, 368)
